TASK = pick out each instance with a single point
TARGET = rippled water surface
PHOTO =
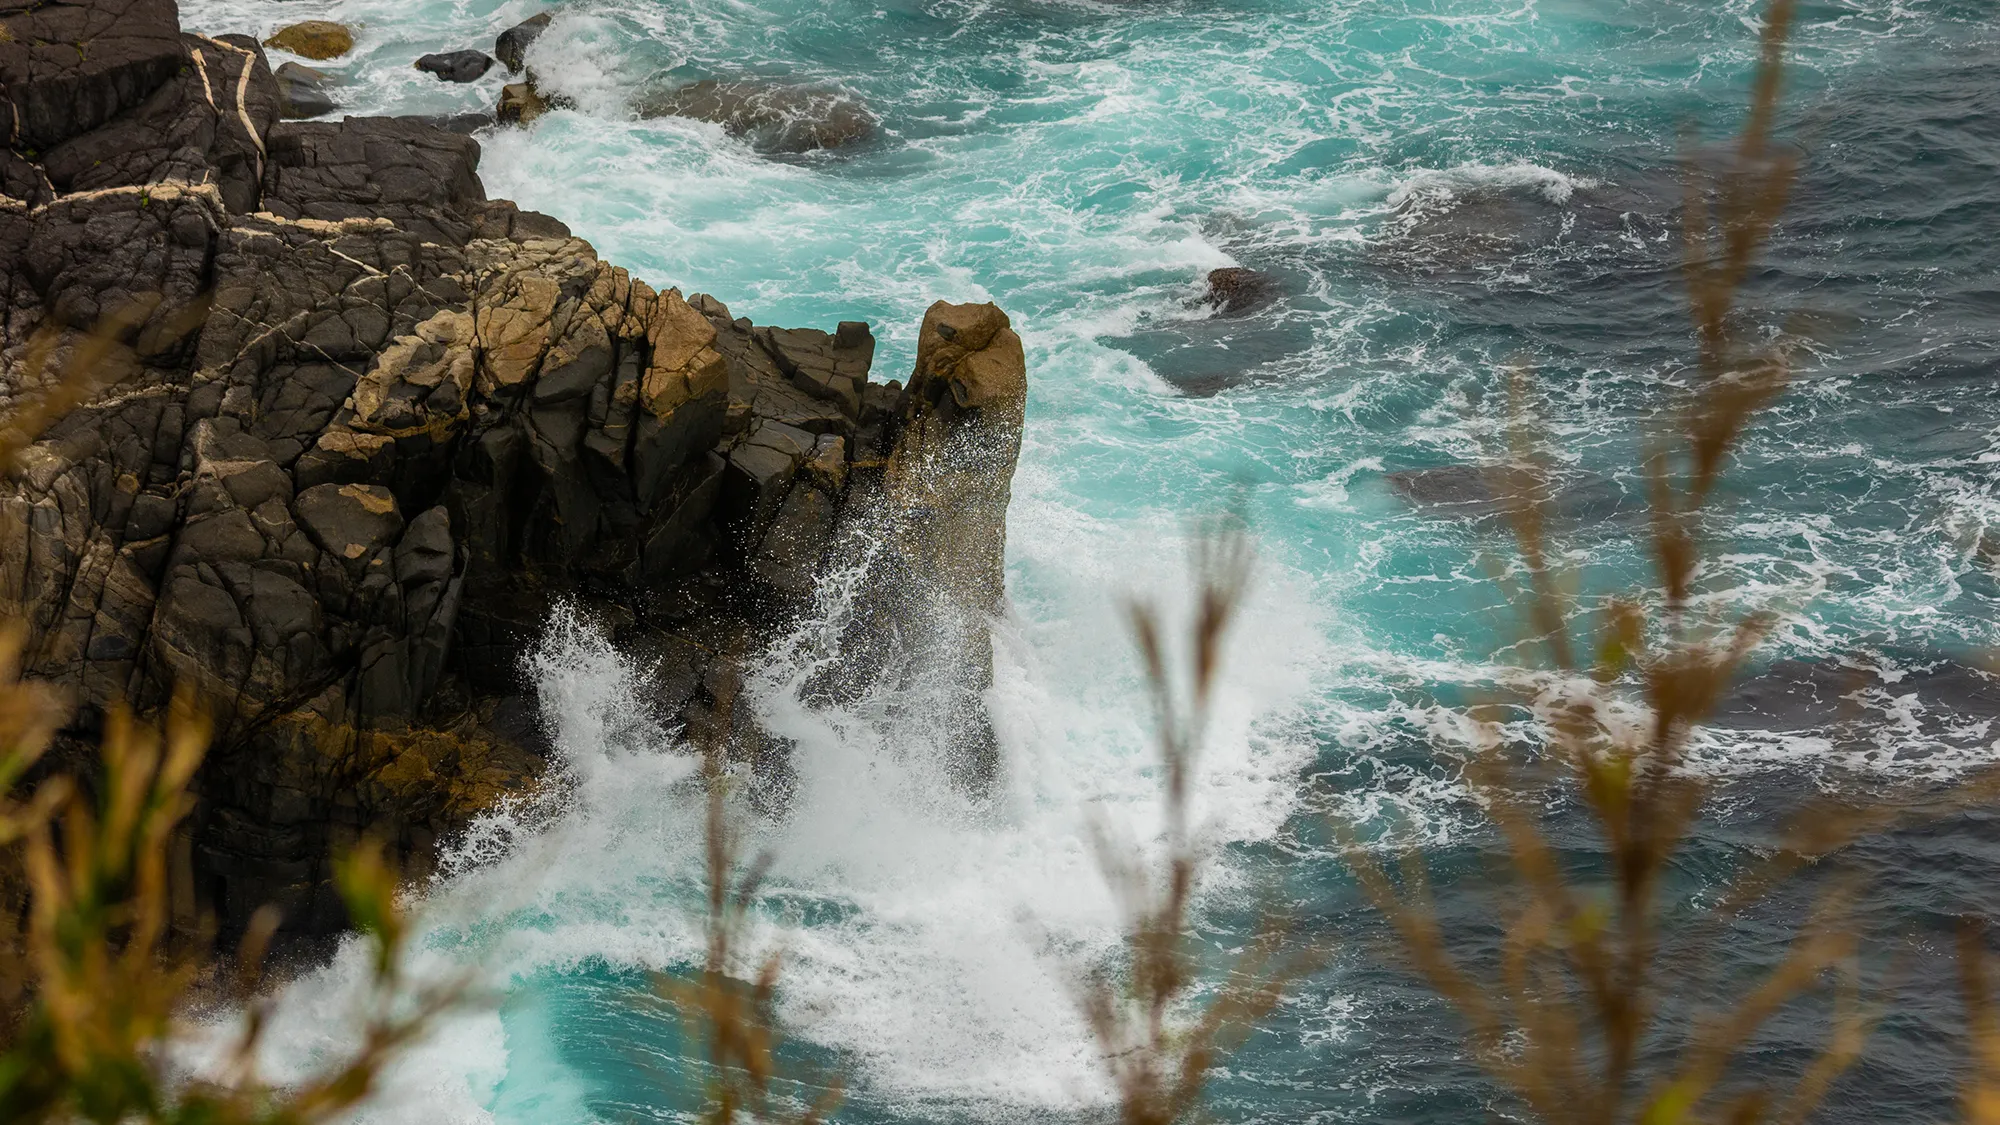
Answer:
(1442, 188)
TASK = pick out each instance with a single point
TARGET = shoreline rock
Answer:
(318, 40)
(362, 431)
(303, 92)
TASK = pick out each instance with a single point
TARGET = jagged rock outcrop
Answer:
(353, 431)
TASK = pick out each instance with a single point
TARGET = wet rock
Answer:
(759, 385)
(773, 117)
(831, 367)
(457, 66)
(1234, 290)
(521, 103)
(500, 218)
(788, 558)
(945, 492)
(761, 469)
(511, 48)
(24, 180)
(314, 39)
(304, 92)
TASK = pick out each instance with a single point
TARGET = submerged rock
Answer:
(773, 117)
(1234, 290)
(303, 91)
(456, 66)
(511, 48)
(314, 39)
(1466, 487)
(1485, 492)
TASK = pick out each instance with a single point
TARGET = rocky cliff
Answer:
(349, 431)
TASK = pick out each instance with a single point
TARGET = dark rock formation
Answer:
(354, 431)
(464, 124)
(1448, 489)
(511, 48)
(1234, 290)
(68, 68)
(318, 40)
(304, 92)
(774, 117)
(457, 66)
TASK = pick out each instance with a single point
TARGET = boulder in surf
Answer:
(314, 39)
(511, 48)
(456, 66)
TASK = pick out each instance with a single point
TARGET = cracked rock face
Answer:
(353, 431)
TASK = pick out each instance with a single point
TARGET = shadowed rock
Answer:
(511, 48)
(773, 117)
(456, 66)
(68, 68)
(304, 92)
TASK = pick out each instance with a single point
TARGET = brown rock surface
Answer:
(318, 40)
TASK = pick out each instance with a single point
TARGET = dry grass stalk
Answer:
(1981, 1099)
(95, 982)
(733, 1016)
(1567, 1018)
(1157, 1063)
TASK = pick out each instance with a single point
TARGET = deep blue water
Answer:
(1442, 189)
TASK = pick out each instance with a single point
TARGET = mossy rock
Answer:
(314, 39)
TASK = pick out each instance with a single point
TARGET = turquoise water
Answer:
(1443, 189)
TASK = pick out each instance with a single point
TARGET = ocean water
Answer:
(1443, 189)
